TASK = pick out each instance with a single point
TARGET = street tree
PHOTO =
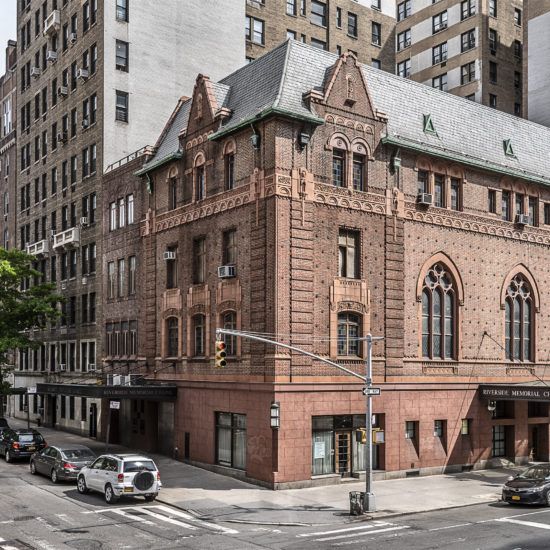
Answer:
(21, 310)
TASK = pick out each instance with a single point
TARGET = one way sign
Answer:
(371, 391)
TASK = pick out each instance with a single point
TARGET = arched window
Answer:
(200, 178)
(349, 328)
(229, 321)
(438, 314)
(519, 320)
(339, 167)
(199, 332)
(172, 193)
(172, 339)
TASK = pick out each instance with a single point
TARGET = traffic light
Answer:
(220, 354)
(361, 435)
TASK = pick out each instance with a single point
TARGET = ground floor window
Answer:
(335, 448)
(499, 441)
(231, 440)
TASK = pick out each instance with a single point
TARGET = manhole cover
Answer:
(23, 518)
(85, 544)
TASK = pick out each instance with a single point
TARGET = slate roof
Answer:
(466, 131)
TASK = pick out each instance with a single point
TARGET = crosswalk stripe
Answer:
(384, 530)
(167, 519)
(183, 515)
(370, 526)
(526, 523)
(122, 513)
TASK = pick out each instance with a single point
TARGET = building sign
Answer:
(512, 393)
(147, 392)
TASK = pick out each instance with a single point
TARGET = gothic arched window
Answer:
(438, 314)
(519, 320)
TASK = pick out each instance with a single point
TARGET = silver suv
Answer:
(121, 475)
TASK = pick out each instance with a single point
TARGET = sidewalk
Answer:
(220, 498)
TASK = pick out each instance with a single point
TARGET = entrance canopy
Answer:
(537, 391)
(146, 391)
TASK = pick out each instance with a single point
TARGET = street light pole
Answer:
(369, 503)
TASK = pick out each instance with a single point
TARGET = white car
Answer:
(121, 475)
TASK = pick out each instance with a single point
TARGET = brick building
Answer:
(467, 47)
(87, 71)
(340, 200)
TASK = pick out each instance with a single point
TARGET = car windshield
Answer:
(535, 472)
(29, 438)
(139, 465)
(77, 454)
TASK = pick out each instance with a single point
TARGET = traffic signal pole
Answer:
(369, 502)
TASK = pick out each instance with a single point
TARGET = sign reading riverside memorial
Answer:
(525, 393)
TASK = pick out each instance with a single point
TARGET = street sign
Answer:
(114, 404)
(32, 389)
(371, 391)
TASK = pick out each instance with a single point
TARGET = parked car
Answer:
(21, 443)
(531, 486)
(121, 475)
(3, 424)
(61, 462)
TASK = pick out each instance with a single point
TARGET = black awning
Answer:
(513, 392)
(147, 391)
(17, 391)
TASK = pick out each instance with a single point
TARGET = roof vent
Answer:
(508, 149)
(429, 127)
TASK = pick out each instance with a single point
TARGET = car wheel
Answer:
(53, 476)
(150, 498)
(81, 485)
(110, 497)
(33, 468)
(7, 456)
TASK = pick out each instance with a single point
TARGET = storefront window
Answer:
(231, 440)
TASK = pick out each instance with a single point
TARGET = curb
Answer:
(352, 519)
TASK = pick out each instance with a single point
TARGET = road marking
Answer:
(370, 526)
(184, 515)
(449, 527)
(168, 519)
(526, 523)
(385, 530)
(122, 513)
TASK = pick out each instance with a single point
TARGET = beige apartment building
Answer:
(536, 69)
(365, 27)
(471, 48)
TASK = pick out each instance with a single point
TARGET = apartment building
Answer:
(471, 48)
(536, 68)
(96, 80)
(333, 213)
(8, 150)
(365, 27)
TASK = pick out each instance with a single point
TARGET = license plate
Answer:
(31, 448)
(516, 497)
(128, 489)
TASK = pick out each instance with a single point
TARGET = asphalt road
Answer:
(36, 514)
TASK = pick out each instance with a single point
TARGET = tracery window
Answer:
(438, 314)
(519, 320)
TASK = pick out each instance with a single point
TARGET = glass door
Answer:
(343, 453)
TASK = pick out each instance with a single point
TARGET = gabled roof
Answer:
(466, 131)
(167, 146)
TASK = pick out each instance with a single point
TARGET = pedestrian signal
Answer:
(220, 354)
(361, 435)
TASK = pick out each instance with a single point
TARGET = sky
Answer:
(8, 28)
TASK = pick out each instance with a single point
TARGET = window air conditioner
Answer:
(84, 280)
(424, 198)
(227, 271)
(522, 219)
(84, 220)
(62, 137)
(63, 285)
(85, 123)
(62, 90)
(51, 56)
(62, 367)
(91, 367)
(35, 71)
(169, 255)
(82, 73)
(72, 37)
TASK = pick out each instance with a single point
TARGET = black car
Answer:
(20, 443)
(532, 486)
(3, 424)
(61, 462)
